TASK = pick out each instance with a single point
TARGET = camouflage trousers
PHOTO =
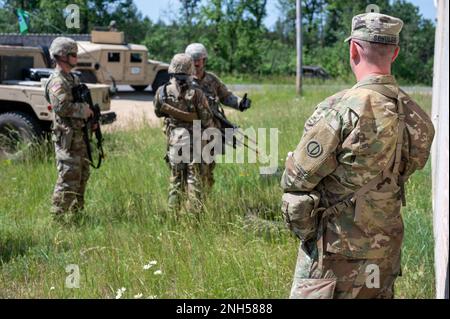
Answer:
(336, 276)
(185, 186)
(73, 172)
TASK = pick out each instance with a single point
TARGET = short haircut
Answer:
(376, 53)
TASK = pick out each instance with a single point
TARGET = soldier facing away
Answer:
(344, 182)
(181, 104)
(216, 92)
(69, 120)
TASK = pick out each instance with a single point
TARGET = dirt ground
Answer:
(133, 109)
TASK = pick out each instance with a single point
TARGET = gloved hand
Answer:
(245, 103)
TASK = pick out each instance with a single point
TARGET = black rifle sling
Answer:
(88, 147)
(78, 98)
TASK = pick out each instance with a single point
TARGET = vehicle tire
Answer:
(139, 88)
(161, 78)
(18, 133)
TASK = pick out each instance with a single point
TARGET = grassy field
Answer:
(126, 224)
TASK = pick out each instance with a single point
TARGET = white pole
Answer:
(440, 154)
(299, 47)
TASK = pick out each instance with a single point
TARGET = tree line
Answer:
(235, 35)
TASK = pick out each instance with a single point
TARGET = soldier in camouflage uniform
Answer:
(181, 104)
(344, 182)
(216, 92)
(69, 120)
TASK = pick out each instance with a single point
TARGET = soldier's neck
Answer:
(201, 75)
(63, 68)
(363, 73)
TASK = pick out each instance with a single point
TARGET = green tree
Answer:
(163, 41)
(50, 16)
(189, 18)
(327, 23)
(234, 34)
(415, 61)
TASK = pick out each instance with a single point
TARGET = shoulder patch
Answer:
(314, 149)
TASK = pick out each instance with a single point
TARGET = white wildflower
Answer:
(120, 292)
(138, 296)
(158, 272)
(152, 297)
(52, 288)
(150, 264)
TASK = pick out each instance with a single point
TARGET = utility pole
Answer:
(298, 85)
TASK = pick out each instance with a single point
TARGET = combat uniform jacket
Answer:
(214, 88)
(350, 138)
(191, 100)
(68, 115)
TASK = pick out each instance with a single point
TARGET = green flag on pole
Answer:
(23, 17)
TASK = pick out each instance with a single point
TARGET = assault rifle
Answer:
(219, 116)
(81, 93)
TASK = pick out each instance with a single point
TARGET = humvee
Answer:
(25, 114)
(105, 58)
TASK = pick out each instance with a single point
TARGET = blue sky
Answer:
(156, 9)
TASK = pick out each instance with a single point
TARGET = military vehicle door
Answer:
(13, 67)
(114, 60)
(135, 62)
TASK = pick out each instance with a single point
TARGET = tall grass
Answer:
(220, 254)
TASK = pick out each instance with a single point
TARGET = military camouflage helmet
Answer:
(63, 46)
(181, 64)
(197, 51)
(376, 27)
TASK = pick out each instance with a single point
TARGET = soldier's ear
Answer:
(396, 52)
(354, 53)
